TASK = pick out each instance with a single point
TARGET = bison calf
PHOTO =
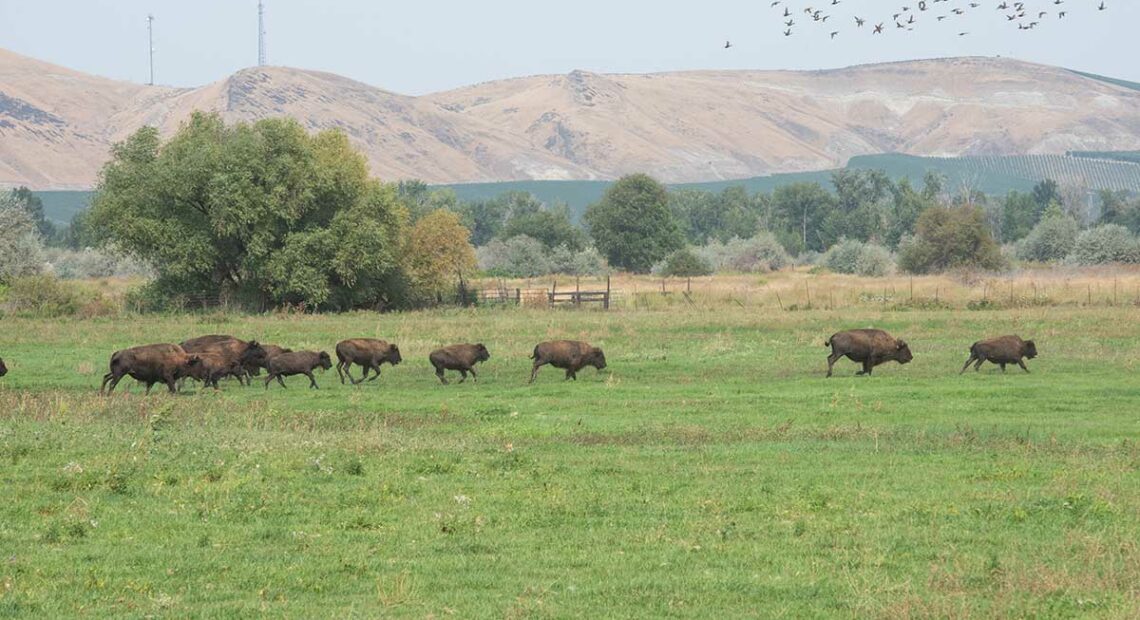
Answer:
(213, 367)
(570, 355)
(366, 352)
(461, 357)
(232, 350)
(1001, 351)
(150, 364)
(869, 346)
(297, 363)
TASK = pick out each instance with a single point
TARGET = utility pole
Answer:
(261, 59)
(150, 40)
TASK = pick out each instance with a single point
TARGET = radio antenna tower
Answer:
(150, 40)
(260, 34)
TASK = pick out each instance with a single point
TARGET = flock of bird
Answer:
(1026, 15)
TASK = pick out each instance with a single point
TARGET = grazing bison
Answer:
(869, 346)
(570, 355)
(1001, 351)
(150, 364)
(3, 368)
(366, 352)
(230, 349)
(461, 357)
(297, 363)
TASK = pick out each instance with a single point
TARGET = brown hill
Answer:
(56, 125)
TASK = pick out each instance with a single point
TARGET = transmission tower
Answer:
(150, 40)
(261, 34)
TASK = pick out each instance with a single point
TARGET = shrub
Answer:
(1110, 243)
(517, 257)
(686, 263)
(950, 238)
(1052, 239)
(90, 263)
(21, 251)
(856, 257)
(758, 254)
(43, 296)
(585, 262)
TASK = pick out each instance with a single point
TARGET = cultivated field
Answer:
(710, 471)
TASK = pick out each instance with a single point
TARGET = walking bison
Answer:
(1001, 351)
(150, 364)
(461, 357)
(366, 352)
(297, 363)
(871, 347)
(570, 355)
(231, 351)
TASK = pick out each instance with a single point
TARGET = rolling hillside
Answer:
(57, 125)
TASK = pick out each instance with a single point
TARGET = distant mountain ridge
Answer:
(57, 125)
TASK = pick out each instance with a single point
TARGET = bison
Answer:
(3, 368)
(366, 352)
(869, 346)
(1001, 351)
(213, 366)
(570, 355)
(150, 364)
(297, 363)
(461, 357)
(271, 350)
(230, 349)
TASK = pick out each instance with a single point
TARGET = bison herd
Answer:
(209, 359)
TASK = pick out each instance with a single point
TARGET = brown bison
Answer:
(3, 368)
(1001, 351)
(366, 352)
(570, 355)
(869, 346)
(150, 364)
(297, 363)
(245, 354)
(461, 357)
(212, 367)
(271, 351)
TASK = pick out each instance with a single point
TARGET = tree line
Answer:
(266, 214)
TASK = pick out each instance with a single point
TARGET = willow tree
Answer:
(264, 214)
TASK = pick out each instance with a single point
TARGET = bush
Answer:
(1052, 239)
(517, 257)
(685, 263)
(759, 254)
(21, 251)
(42, 296)
(950, 238)
(856, 257)
(585, 262)
(1110, 243)
(91, 263)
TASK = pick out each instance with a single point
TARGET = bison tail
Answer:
(827, 343)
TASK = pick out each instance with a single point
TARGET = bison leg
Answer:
(968, 362)
(1002, 364)
(376, 371)
(1022, 364)
(464, 377)
(339, 371)
(171, 384)
(269, 379)
(570, 374)
(439, 373)
(474, 377)
(149, 384)
(831, 359)
(868, 366)
(312, 381)
(534, 371)
(363, 374)
(113, 378)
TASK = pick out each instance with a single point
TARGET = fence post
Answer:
(578, 291)
(518, 296)
(912, 288)
(689, 285)
(606, 299)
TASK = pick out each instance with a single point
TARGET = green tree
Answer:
(906, 205)
(35, 208)
(685, 263)
(950, 237)
(860, 207)
(1045, 193)
(262, 213)
(801, 209)
(1052, 239)
(1020, 213)
(550, 226)
(438, 255)
(21, 251)
(632, 226)
(420, 199)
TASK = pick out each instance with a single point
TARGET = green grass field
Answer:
(710, 471)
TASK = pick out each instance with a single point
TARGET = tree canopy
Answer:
(950, 237)
(632, 226)
(263, 213)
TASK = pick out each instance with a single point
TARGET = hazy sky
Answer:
(419, 46)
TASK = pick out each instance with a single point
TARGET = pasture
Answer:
(710, 471)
